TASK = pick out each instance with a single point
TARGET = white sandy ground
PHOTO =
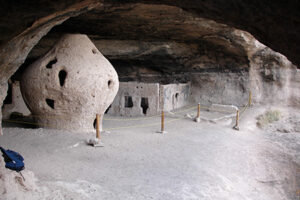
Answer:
(192, 161)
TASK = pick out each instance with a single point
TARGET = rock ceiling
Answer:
(275, 24)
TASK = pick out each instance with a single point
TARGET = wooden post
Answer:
(162, 121)
(197, 119)
(198, 113)
(98, 126)
(236, 127)
(162, 101)
(250, 98)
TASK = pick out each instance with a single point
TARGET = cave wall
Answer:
(274, 79)
(218, 59)
(220, 88)
(14, 52)
(16, 103)
(169, 42)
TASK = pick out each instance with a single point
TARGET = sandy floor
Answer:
(192, 161)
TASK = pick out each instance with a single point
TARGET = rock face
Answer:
(3, 87)
(15, 48)
(222, 63)
(67, 87)
(17, 103)
(12, 185)
(255, 17)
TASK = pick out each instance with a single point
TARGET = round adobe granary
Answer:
(67, 87)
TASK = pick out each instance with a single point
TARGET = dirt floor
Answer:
(191, 161)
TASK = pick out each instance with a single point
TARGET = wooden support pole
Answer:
(162, 101)
(250, 98)
(236, 127)
(197, 119)
(162, 121)
(198, 113)
(98, 126)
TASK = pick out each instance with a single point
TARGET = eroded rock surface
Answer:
(3, 94)
(19, 42)
(17, 103)
(72, 83)
(168, 44)
(13, 186)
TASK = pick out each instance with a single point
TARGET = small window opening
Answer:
(109, 83)
(52, 62)
(128, 102)
(62, 77)
(50, 103)
(176, 96)
(8, 98)
(107, 109)
(144, 105)
(95, 123)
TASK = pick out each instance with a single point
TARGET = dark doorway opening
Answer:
(144, 105)
(176, 96)
(128, 102)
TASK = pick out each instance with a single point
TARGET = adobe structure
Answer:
(67, 87)
(146, 99)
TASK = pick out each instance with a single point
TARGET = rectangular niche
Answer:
(128, 102)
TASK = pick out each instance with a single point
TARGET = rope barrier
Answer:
(141, 125)
(120, 119)
(244, 109)
(175, 115)
(178, 117)
(108, 129)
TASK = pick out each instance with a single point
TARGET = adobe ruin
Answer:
(148, 99)
(67, 87)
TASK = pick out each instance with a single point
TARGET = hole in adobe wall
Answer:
(144, 105)
(50, 103)
(94, 51)
(62, 77)
(94, 123)
(110, 83)
(128, 102)
(52, 62)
